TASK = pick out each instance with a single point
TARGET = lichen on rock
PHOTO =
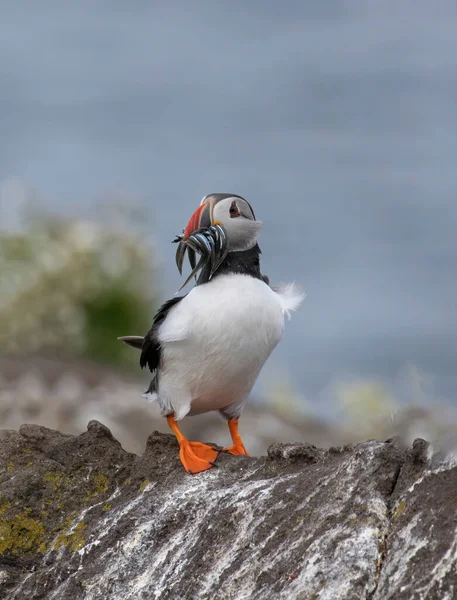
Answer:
(21, 534)
(89, 521)
(73, 538)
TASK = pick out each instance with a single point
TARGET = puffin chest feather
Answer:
(231, 325)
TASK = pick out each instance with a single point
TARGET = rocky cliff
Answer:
(80, 518)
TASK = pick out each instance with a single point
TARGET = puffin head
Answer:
(233, 213)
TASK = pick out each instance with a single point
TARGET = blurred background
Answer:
(337, 120)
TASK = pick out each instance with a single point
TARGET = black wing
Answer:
(150, 350)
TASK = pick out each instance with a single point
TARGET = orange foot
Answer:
(195, 456)
(238, 446)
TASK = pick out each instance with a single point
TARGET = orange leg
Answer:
(195, 456)
(238, 446)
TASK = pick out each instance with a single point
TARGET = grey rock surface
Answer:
(82, 519)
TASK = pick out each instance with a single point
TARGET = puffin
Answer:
(206, 348)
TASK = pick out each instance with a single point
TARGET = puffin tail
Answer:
(150, 396)
(151, 393)
(134, 341)
(291, 296)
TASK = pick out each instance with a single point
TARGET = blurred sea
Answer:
(337, 120)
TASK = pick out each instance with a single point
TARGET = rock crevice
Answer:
(81, 518)
(383, 542)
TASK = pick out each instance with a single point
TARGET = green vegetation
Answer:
(71, 287)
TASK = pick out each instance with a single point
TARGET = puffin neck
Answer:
(244, 262)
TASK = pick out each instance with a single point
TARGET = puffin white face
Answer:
(235, 215)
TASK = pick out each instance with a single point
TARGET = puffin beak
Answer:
(200, 219)
(202, 237)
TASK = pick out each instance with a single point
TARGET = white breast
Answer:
(216, 340)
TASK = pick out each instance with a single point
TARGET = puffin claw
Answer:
(217, 447)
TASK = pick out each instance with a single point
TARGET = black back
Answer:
(150, 351)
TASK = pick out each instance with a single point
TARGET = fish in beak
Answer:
(204, 237)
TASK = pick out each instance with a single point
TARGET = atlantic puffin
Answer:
(206, 348)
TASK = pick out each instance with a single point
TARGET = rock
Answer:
(292, 452)
(80, 518)
(421, 556)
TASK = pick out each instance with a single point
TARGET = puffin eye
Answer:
(234, 211)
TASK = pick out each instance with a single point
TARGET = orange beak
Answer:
(200, 218)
